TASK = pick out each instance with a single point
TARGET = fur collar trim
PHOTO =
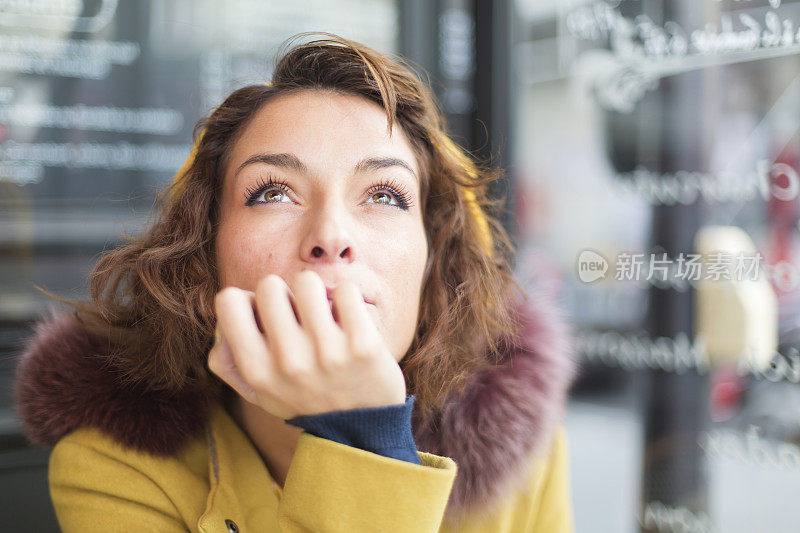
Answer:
(490, 430)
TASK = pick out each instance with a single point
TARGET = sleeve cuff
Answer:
(384, 430)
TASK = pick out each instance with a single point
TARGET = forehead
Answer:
(323, 129)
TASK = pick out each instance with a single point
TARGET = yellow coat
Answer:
(219, 484)
(129, 459)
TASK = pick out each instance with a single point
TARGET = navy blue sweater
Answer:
(383, 430)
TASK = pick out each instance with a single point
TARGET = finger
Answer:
(222, 363)
(313, 307)
(236, 321)
(354, 318)
(275, 308)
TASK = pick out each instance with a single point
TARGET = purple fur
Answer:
(506, 414)
(61, 384)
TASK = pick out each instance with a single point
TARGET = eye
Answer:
(384, 189)
(264, 188)
(402, 198)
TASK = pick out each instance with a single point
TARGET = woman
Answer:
(319, 332)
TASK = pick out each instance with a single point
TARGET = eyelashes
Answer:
(252, 194)
(399, 192)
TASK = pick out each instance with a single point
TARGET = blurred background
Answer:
(650, 146)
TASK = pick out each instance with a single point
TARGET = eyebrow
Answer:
(292, 162)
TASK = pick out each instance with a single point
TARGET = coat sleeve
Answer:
(553, 514)
(331, 487)
(128, 501)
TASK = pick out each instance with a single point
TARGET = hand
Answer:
(282, 349)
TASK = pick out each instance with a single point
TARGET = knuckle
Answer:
(269, 288)
(224, 296)
(219, 298)
(217, 363)
(333, 363)
(269, 282)
(297, 278)
(306, 278)
(262, 284)
(345, 289)
(361, 348)
(295, 372)
(257, 381)
(309, 274)
(212, 361)
(264, 287)
(351, 286)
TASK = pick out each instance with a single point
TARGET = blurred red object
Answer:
(727, 390)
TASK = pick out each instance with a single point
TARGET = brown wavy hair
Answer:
(152, 298)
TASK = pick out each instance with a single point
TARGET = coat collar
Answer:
(505, 415)
(233, 463)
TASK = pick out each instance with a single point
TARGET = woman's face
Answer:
(340, 212)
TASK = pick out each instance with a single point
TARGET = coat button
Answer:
(232, 527)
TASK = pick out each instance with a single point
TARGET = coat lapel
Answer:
(234, 462)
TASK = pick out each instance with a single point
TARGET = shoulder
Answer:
(547, 493)
(97, 484)
(90, 441)
(534, 501)
(548, 466)
(91, 459)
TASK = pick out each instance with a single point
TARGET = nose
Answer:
(329, 238)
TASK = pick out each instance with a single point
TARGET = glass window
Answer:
(657, 162)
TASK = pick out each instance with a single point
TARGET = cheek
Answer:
(402, 267)
(408, 256)
(247, 252)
